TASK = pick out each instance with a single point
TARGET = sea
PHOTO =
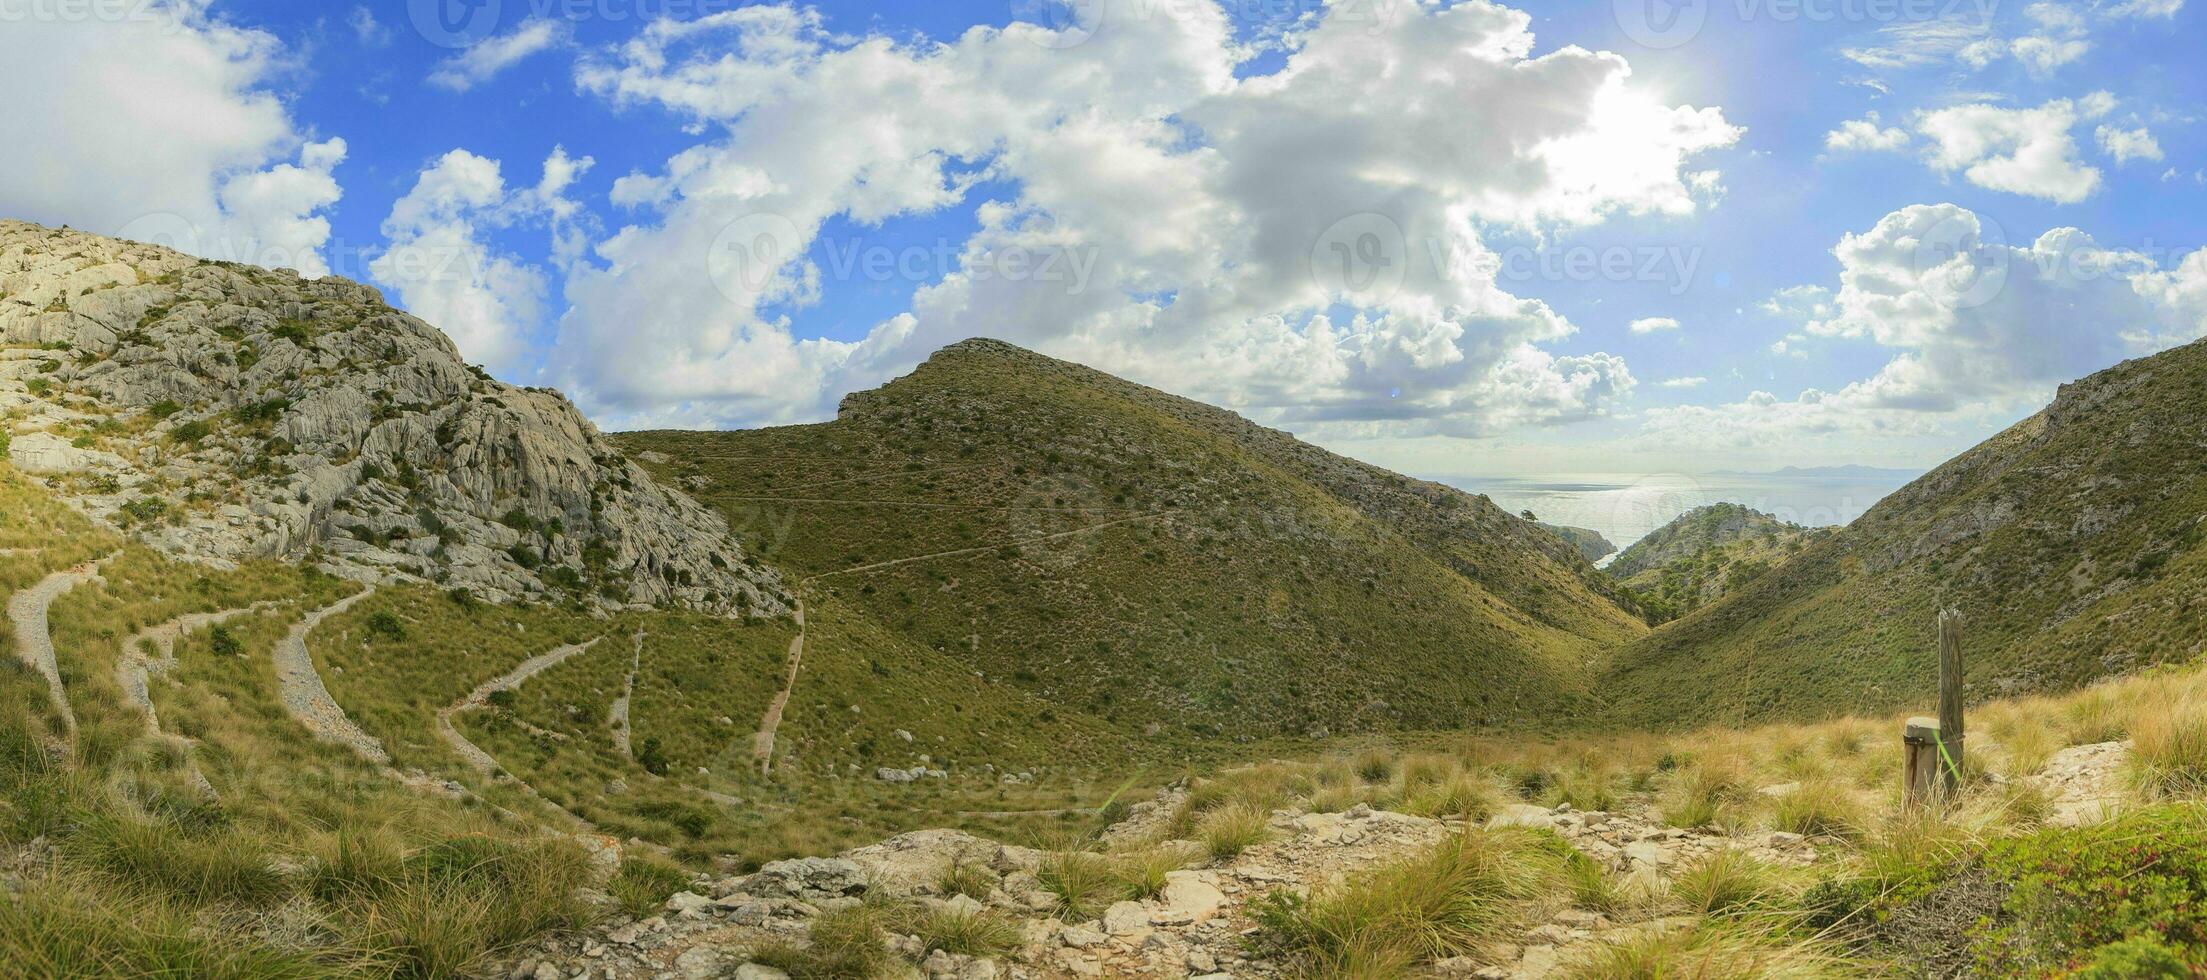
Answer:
(1624, 507)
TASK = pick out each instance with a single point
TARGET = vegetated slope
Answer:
(1163, 565)
(226, 412)
(1590, 543)
(1703, 554)
(2071, 542)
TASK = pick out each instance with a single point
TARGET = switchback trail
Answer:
(618, 715)
(484, 762)
(308, 700)
(134, 667)
(34, 637)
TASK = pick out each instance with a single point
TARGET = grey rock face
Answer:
(223, 412)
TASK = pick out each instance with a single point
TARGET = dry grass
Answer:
(2169, 742)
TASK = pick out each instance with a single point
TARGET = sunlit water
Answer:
(1626, 506)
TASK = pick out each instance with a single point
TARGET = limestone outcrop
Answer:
(224, 412)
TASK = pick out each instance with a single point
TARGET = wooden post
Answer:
(1919, 778)
(1933, 746)
(1950, 697)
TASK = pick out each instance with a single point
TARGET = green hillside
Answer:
(1703, 554)
(1163, 566)
(2071, 542)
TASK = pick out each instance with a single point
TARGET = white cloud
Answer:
(2020, 151)
(1908, 44)
(1864, 135)
(367, 29)
(2126, 145)
(445, 269)
(162, 124)
(1980, 329)
(1799, 304)
(1685, 382)
(1190, 215)
(484, 60)
(2146, 8)
(1652, 324)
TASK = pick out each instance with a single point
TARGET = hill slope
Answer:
(2071, 541)
(1163, 565)
(1703, 554)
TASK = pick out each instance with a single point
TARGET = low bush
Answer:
(2074, 891)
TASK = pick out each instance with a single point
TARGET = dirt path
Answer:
(133, 669)
(1016, 542)
(308, 700)
(762, 746)
(483, 762)
(617, 716)
(34, 637)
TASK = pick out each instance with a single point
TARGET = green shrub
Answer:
(2143, 958)
(191, 433)
(644, 884)
(2075, 890)
(385, 625)
(1082, 882)
(983, 934)
(1457, 899)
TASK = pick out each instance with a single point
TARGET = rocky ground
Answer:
(1199, 926)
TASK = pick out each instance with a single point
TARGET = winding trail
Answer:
(308, 700)
(133, 669)
(762, 744)
(34, 637)
(617, 715)
(484, 763)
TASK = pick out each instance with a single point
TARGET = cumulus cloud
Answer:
(2020, 151)
(484, 60)
(1979, 328)
(446, 269)
(2125, 145)
(1865, 135)
(1652, 324)
(1273, 242)
(162, 125)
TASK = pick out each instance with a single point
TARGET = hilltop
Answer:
(2070, 541)
(1702, 554)
(1164, 566)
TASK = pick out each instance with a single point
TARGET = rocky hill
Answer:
(2071, 542)
(223, 412)
(1703, 554)
(1164, 566)
(1592, 546)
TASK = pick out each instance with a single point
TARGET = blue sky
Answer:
(1666, 208)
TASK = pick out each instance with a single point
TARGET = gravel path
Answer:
(762, 744)
(618, 716)
(133, 668)
(483, 762)
(309, 700)
(34, 637)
